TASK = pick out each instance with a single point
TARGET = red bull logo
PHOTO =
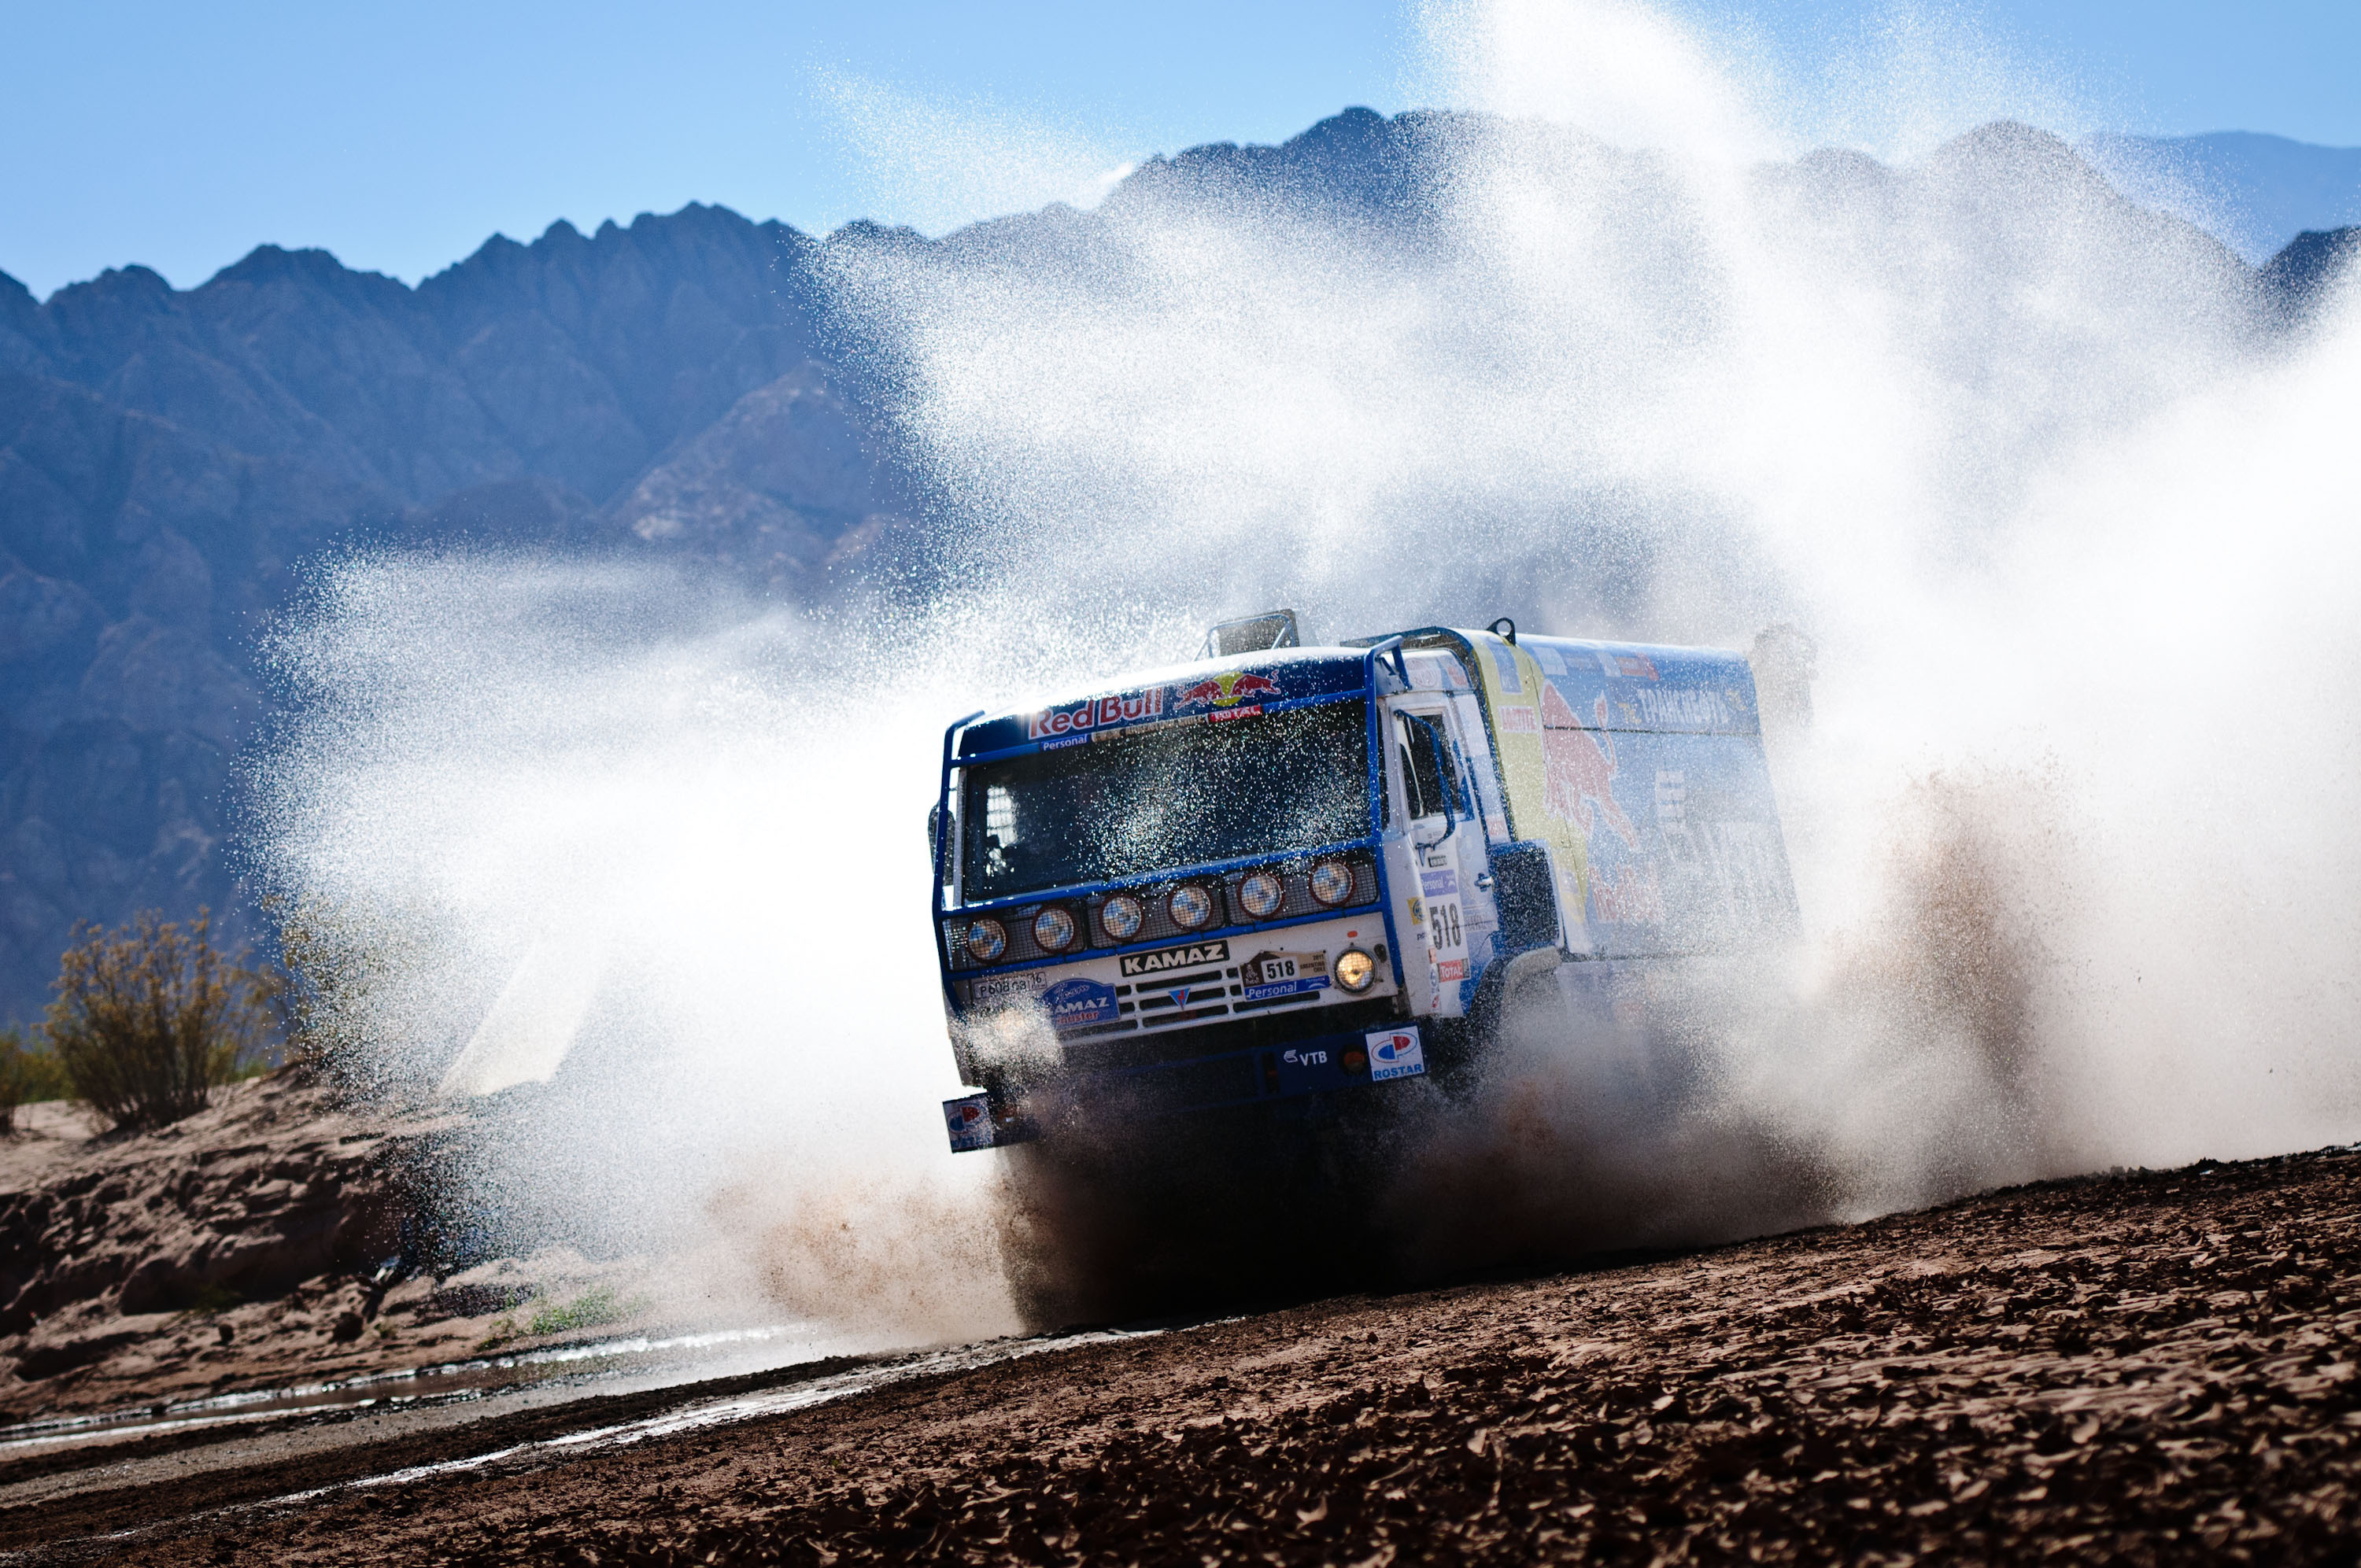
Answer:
(1579, 770)
(1094, 714)
(1226, 690)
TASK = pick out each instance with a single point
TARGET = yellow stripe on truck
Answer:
(1512, 686)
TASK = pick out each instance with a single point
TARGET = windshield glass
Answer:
(1172, 797)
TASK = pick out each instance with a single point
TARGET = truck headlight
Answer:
(1053, 929)
(1260, 894)
(986, 940)
(1121, 917)
(1332, 882)
(1190, 906)
(1356, 971)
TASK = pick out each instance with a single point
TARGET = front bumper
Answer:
(1316, 1065)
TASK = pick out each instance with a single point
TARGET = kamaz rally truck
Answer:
(1287, 880)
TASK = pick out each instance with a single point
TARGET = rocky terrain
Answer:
(2148, 1367)
(271, 1239)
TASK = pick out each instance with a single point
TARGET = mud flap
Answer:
(985, 1122)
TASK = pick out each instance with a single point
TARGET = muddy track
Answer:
(2157, 1367)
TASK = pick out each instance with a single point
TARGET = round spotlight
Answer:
(1053, 929)
(1332, 882)
(1121, 917)
(1356, 971)
(986, 940)
(1260, 894)
(1190, 906)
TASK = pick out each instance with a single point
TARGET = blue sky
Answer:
(181, 136)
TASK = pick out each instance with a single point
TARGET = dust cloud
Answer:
(2054, 496)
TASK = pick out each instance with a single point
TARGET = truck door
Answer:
(1443, 841)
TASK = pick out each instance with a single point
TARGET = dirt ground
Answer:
(2143, 1368)
(269, 1240)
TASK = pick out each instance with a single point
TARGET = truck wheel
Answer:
(1068, 1246)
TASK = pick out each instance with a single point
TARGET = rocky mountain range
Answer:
(679, 388)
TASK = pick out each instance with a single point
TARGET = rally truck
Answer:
(1209, 935)
(1285, 876)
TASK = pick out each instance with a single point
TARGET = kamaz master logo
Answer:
(1164, 960)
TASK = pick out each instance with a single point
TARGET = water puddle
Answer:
(632, 1361)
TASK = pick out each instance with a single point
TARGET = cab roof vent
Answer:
(1252, 634)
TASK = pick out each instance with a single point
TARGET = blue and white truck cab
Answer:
(1287, 872)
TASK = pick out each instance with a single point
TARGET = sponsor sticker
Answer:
(1163, 960)
(1439, 884)
(969, 1123)
(1517, 720)
(1450, 970)
(1224, 716)
(1395, 1053)
(1283, 974)
(1625, 666)
(1096, 714)
(1076, 1002)
(1226, 690)
(1504, 663)
(1681, 709)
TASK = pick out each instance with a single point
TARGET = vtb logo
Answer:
(1227, 690)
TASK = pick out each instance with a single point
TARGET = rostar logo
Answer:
(1226, 690)
(1395, 1053)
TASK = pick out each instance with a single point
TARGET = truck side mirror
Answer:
(1527, 895)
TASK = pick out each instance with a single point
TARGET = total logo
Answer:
(1395, 1053)
(1226, 690)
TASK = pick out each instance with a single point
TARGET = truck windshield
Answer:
(1175, 796)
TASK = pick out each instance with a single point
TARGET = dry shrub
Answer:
(26, 1077)
(335, 964)
(149, 1021)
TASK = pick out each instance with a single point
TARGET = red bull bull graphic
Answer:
(1579, 767)
(1226, 690)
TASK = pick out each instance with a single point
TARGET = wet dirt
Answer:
(279, 1246)
(2143, 1368)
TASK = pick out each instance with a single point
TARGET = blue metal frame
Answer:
(942, 826)
(1377, 790)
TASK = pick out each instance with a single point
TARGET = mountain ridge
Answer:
(677, 388)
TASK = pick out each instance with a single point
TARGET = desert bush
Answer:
(150, 1020)
(28, 1076)
(332, 966)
